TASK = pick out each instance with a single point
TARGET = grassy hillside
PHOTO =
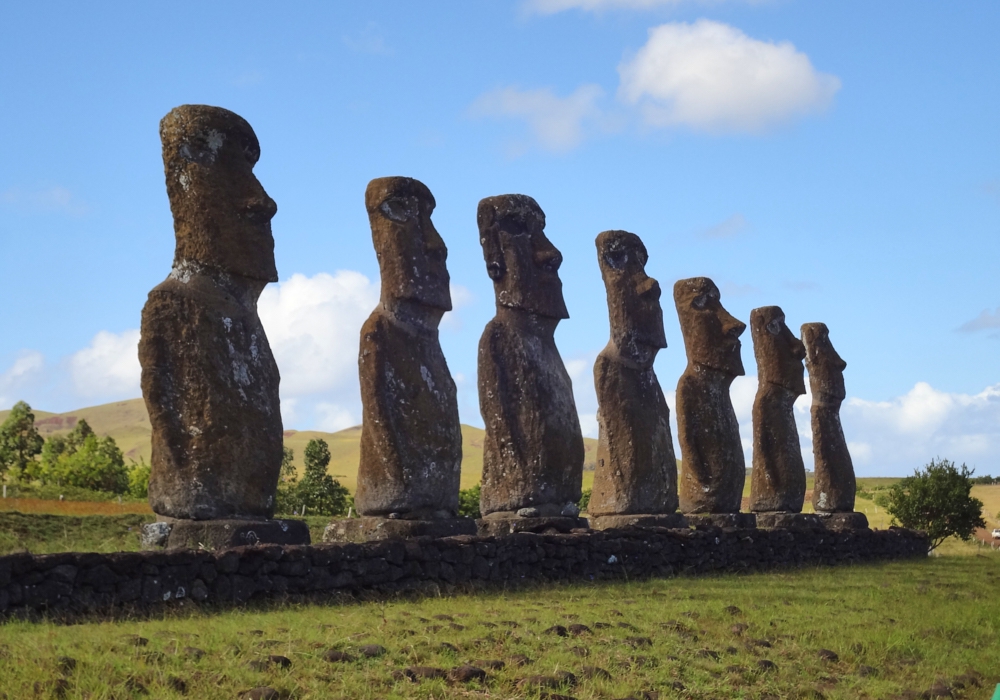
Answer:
(128, 423)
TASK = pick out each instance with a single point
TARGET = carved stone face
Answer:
(521, 261)
(826, 368)
(222, 215)
(633, 297)
(779, 353)
(411, 255)
(711, 335)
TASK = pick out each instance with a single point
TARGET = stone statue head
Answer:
(411, 255)
(779, 353)
(222, 215)
(633, 297)
(826, 368)
(521, 261)
(711, 335)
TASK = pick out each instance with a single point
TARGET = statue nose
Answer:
(261, 209)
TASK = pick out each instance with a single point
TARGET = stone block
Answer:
(366, 529)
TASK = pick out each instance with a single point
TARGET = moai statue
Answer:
(533, 451)
(635, 480)
(834, 488)
(778, 482)
(209, 379)
(713, 470)
(411, 438)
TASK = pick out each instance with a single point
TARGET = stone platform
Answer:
(368, 529)
(786, 520)
(171, 533)
(608, 522)
(498, 527)
(844, 521)
(725, 520)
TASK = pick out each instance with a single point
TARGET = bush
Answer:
(584, 500)
(936, 500)
(468, 502)
(84, 460)
(138, 479)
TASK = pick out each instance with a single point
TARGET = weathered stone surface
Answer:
(724, 520)
(778, 481)
(843, 521)
(226, 533)
(209, 379)
(835, 485)
(636, 469)
(365, 528)
(617, 522)
(713, 470)
(411, 438)
(785, 520)
(498, 527)
(533, 449)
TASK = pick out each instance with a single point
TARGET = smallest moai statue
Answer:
(635, 480)
(835, 485)
(778, 482)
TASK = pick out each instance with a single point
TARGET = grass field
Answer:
(885, 631)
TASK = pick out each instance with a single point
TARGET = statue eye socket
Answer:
(700, 301)
(398, 209)
(774, 327)
(616, 259)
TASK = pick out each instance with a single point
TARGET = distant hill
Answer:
(128, 423)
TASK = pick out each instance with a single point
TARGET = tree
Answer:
(55, 449)
(97, 465)
(468, 502)
(319, 492)
(138, 479)
(937, 500)
(19, 439)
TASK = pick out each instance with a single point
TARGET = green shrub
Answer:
(138, 479)
(936, 500)
(584, 500)
(468, 502)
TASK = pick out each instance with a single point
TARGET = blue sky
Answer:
(839, 160)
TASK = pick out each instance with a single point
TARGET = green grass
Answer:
(894, 628)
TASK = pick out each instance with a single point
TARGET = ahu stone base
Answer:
(370, 529)
(498, 527)
(786, 520)
(844, 521)
(617, 522)
(171, 533)
(746, 521)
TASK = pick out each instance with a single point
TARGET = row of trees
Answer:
(81, 459)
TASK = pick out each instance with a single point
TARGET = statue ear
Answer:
(495, 270)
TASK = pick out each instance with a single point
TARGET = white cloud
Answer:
(27, 366)
(313, 325)
(732, 226)
(986, 320)
(712, 77)
(108, 367)
(558, 124)
(333, 417)
(58, 199)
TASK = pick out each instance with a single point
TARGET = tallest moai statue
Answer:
(209, 379)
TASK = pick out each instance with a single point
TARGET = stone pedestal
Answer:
(225, 533)
(673, 521)
(844, 521)
(700, 521)
(496, 527)
(786, 520)
(367, 529)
